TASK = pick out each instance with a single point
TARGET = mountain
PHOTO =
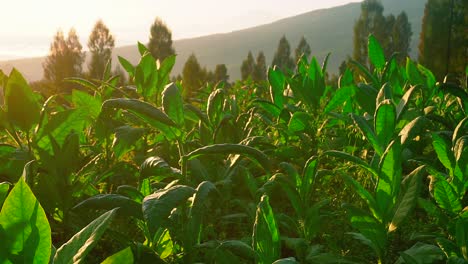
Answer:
(326, 30)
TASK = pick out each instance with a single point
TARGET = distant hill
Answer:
(326, 30)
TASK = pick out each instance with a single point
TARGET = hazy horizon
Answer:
(32, 37)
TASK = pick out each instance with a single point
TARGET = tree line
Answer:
(442, 47)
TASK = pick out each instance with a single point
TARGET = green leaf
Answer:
(127, 206)
(308, 177)
(269, 107)
(158, 206)
(156, 167)
(423, 254)
(366, 96)
(87, 103)
(403, 104)
(430, 78)
(384, 122)
(277, 82)
(143, 110)
(388, 186)
(124, 256)
(125, 138)
(214, 107)
(299, 122)
(446, 197)
(367, 131)
(238, 248)
(413, 128)
(412, 72)
(78, 247)
(24, 229)
(376, 54)
(365, 195)
(217, 149)
(265, 239)
(289, 260)
(442, 147)
(21, 105)
(129, 68)
(462, 236)
(198, 209)
(408, 200)
(173, 105)
(142, 48)
(341, 95)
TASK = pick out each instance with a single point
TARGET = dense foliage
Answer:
(289, 170)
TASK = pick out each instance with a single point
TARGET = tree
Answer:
(221, 74)
(192, 76)
(401, 36)
(65, 59)
(100, 45)
(282, 57)
(247, 67)
(260, 70)
(371, 21)
(443, 40)
(160, 42)
(302, 49)
(393, 34)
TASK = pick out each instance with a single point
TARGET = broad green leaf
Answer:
(158, 206)
(238, 248)
(167, 65)
(288, 186)
(218, 149)
(277, 82)
(130, 192)
(414, 77)
(446, 197)
(127, 206)
(90, 104)
(376, 54)
(78, 247)
(341, 95)
(403, 104)
(146, 76)
(142, 48)
(173, 105)
(367, 74)
(158, 168)
(367, 131)
(129, 68)
(423, 254)
(372, 233)
(365, 195)
(198, 209)
(384, 122)
(214, 107)
(366, 96)
(314, 85)
(125, 138)
(124, 256)
(24, 229)
(265, 238)
(83, 82)
(388, 186)
(408, 200)
(442, 147)
(308, 177)
(299, 122)
(145, 111)
(413, 128)
(21, 105)
(430, 78)
(269, 107)
(462, 236)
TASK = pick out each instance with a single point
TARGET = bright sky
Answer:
(27, 27)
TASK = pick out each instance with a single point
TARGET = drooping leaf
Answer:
(215, 107)
(129, 68)
(299, 122)
(423, 253)
(238, 248)
(408, 200)
(353, 159)
(78, 247)
(158, 206)
(218, 149)
(368, 133)
(365, 195)
(265, 238)
(127, 206)
(413, 128)
(442, 147)
(24, 229)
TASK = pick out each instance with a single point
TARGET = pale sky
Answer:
(27, 27)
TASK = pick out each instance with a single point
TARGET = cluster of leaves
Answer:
(296, 172)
